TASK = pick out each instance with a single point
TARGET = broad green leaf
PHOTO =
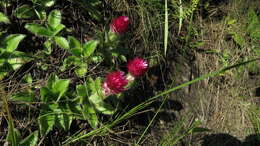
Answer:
(24, 12)
(12, 41)
(15, 59)
(25, 96)
(89, 47)
(46, 95)
(64, 117)
(60, 87)
(70, 60)
(81, 70)
(4, 18)
(97, 59)
(30, 140)
(58, 28)
(52, 79)
(15, 63)
(76, 52)
(46, 122)
(38, 30)
(76, 109)
(74, 43)
(62, 42)
(82, 90)
(89, 114)
(54, 19)
(100, 105)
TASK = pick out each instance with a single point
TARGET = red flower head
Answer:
(137, 67)
(119, 25)
(115, 83)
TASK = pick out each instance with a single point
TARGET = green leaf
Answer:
(76, 52)
(89, 47)
(12, 41)
(62, 42)
(24, 12)
(74, 43)
(58, 28)
(60, 87)
(52, 79)
(54, 19)
(70, 60)
(46, 95)
(81, 70)
(46, 121)
(30, 140)
(48, 47)
(82, 90)
(4, 18)
(64, 116)
(23, 96)
(38, 30)
(89, 114)
(100, 105)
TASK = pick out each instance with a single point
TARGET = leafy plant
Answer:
(37, 9)
(10, 59)
(4, 18)
(50, 30)
(81, 54)
(30, 140)
(55, 110)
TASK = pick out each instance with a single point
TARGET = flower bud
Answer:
(115, 83)
(119, 25)
(137, 67)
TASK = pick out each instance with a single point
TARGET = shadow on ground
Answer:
(224, 139)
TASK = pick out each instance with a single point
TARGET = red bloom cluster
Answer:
(115, 83)
(137, 67)
(119, 25)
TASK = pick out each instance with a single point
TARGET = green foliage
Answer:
(50, 31)
(37, 9)
(24, 12)
(30, 140)
(186, 9)
(81, 54)
(54, 113)
(10, 59)
(4, 18)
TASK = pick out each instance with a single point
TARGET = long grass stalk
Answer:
(166, 31)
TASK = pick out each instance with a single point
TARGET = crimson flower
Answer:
(115, 83)
(137, 67)
(119, 25)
